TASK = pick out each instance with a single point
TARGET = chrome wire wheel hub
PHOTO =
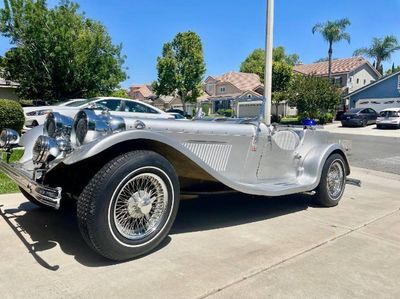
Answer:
(140, 206)
(335, 180)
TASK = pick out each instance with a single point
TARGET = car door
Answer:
(373, 115)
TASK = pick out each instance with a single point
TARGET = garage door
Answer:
(379, 104)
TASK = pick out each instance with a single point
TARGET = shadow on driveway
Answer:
(47, 228)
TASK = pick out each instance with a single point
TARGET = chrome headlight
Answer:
(45, 149)
(8, 138)
(57, 125)
(88, 126)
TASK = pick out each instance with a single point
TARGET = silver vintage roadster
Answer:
(126, 174)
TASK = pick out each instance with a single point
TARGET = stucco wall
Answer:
(361, 77)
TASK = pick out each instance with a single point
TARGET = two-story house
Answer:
(349, 74)
(228, 90)
(142, 92)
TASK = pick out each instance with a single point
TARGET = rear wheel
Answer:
(364, 123)
(333, 181)
(129, 206)
(378, 126)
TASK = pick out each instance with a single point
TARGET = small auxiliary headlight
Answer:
(8, 138)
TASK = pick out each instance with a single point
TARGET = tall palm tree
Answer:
(381, 50)
(332, 32)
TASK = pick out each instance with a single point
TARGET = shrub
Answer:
(228, 113)
(325, 118)
(11, 115)
(206, 109)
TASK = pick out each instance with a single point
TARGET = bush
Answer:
(325, 118)
(228, 113)
(206, 109)
(11, 115)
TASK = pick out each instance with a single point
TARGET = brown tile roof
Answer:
(144, 89)
(243, 81)
(339, 66)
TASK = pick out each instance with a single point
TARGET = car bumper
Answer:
(46, 195)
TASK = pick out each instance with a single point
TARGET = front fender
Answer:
(314, 162)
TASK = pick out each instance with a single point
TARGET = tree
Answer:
(255, 62)
(279, 54)
(393, 70)
(332, 32)
(181, 68)
(58, 53)
(314, 96)
(281, 77)
(119, 93)
(380, 50)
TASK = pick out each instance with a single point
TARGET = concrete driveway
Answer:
(231, 246)
(371, 130)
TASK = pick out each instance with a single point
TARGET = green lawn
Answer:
(7, 185)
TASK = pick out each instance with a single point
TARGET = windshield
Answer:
(389, 114)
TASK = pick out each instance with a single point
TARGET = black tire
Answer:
(97, 205)
(323, 196)
(364, 123)
(33, 200)
(378, 126)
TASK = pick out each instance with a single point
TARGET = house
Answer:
(230, 89)
(142, 92)
(378, 95)
(8, 89)
(350, 74)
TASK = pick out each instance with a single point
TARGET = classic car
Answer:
(126, 175)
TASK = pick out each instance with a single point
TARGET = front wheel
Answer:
(129, 206)
(333, 181)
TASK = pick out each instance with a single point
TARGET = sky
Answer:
(230, 30)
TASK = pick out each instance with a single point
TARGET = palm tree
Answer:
(381, 50)
(332, 32)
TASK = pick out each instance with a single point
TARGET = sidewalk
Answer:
(233, 246)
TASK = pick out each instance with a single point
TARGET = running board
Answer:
(353, 182)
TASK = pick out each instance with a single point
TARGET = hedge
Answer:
(11, 115)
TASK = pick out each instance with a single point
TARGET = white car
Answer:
(35, 116)
(388, 118)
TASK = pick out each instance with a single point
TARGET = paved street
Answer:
(372, 152)
(231, 246)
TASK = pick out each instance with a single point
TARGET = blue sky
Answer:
(230, 30)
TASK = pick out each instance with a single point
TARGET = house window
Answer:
(210, 87)
(358, 80)
(222, 89)
(337, 81)
(350, 79)
(365, 81)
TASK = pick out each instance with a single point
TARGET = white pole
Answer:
(269, 32)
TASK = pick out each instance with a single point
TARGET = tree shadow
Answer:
(47, 228)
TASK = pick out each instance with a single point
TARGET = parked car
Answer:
(359, 117)
(126, 175)
(35, 116)
(388, 118)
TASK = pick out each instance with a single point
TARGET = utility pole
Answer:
(269, 33)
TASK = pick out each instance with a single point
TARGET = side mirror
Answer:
(8, 138)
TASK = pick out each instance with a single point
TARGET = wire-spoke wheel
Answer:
(333, 181)
(140, 205)
(129, 206)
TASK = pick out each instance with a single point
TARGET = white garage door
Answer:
(378, 104)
